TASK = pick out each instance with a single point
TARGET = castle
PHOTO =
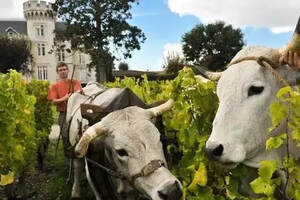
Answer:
(39, 25)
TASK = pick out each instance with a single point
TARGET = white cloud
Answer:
(13, 9)
(277, 15)
(170, 49)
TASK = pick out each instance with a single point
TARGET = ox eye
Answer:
(254, 90)
(122, 152)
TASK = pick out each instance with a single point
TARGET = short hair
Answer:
(61, 64)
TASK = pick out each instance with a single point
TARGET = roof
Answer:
(161, 75)
(60, 26)
(18, 26)
(21, 26)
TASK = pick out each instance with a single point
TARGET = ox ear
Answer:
(213, 76)
(91, 133)
(158, 110)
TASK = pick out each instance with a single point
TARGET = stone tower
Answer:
(41, 21)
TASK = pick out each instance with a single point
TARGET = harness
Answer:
(264, 62)
(148, 169)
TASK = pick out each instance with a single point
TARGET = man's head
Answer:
(62, 70)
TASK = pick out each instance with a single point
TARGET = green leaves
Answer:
(264, 184)
(17, 123)
(7, 179)
(25, 118)
(275, 142)
(278, 112)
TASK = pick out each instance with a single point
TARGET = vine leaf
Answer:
(275, 142)
(7, 179)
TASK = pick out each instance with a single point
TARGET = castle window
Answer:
(81, 74)
(42, 72)
(81, 58)
(40, 30)
(41, 49)
(61, 55)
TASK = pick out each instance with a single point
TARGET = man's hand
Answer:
(292, 59)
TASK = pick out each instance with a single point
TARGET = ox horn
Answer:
(213, 76)
(158, 110)
(294, 44)
(91, 133)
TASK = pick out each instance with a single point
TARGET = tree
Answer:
(98, 26)
(123, 66)
(173, 63)
(213, 45)
(15, 52)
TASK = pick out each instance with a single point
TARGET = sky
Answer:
(164, 22)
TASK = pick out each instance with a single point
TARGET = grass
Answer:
(49, 183)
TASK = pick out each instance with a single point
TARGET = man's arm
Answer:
(53, 95)
(57, 101)
(292, 59)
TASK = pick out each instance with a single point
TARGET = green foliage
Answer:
(25, 121)
(17, 124)
(14, 52)
(264, 184)
(284, 111)
(213, 45)
(43, 108)
(275, 142)
(98, 26)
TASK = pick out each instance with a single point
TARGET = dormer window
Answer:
(11, 32)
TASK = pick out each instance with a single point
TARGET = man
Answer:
(59, 93)
(292, 59)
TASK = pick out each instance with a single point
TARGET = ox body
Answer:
(129, 142)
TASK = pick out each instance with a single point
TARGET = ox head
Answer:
(246, 90)
(132, 143)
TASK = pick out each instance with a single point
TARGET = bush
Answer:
(123, 66)
(43, 108)
(25, 123)
(17, 124)
(173, 63)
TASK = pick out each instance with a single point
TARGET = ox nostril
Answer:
(218, 151)
(171, 192)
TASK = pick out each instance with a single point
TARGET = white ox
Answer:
(131, 143)
(246, 89)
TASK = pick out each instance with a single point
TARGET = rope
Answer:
(264, 62)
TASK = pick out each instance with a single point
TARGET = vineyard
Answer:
(26, 117)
